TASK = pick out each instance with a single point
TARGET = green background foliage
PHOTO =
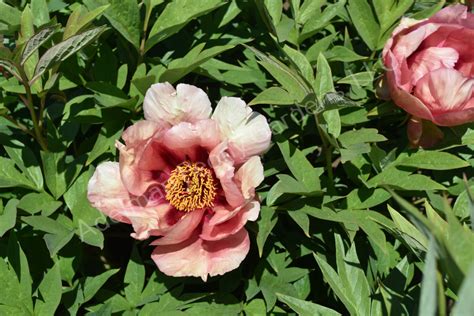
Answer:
(353, 221)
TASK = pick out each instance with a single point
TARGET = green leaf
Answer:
(300, 167)
(11, 177)
(365, 22)
(124, 15)
(268, 219)
(433, 160)
(65, 49)
(404, 180)
(36, 202)
(134, 278)
(79, 19)
(429, 291)
(305, 308)
(76, 200)
(51, 292)
(177, 14)
(36, 41)
(290, 80)
(273, 95)
(318, 21)
(10, 15)
(90, 285)
(323, 82)
(363, 135)
(40, 12)
(26, 160)
(180, 67)
(8, 216)
(465, 303)
(341, 53)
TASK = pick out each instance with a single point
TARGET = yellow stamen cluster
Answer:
(190, 187)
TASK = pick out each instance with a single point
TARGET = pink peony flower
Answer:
(189, 177)
(431, 66)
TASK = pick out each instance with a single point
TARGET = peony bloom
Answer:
(431, 66)
(189, 177)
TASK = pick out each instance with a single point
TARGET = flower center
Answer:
(190, 187)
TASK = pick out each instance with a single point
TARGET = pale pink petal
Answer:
(186, 138)
(234, 222)
(223, 165)
(200, 258)
(246, 132)
(444, 90)
(164, 104)
(182, 230)
(106, 192)
(431, 59)
(250, 175)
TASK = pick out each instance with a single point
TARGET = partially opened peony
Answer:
(430, 66)
(189, 177)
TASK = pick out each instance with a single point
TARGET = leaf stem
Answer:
(327, 151)
(29, 104)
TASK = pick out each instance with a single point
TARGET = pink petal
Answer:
(454, 14)
(223, 166)
(250, 175)
(406, 44)
(106, 192)
(456, 117)
(186, 138)
(431, 59)
(232, 224)
(164, 104)
(403, 98)
(246, 132)
(200, 258)
(444, 90)
(182, 230)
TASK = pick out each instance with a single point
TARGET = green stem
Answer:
(145, 29)
(29, 104)
(327, 151)
(18, 124)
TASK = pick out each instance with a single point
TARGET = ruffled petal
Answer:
(230, 223)
(223, 166)
(404, 99)
(250, 175)
(246, 132)
(444, 90)
(454, 14)
(432, 59)
(199, 258)
(164, 104)
(106, 192)
(182, 230)
(185, 139)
